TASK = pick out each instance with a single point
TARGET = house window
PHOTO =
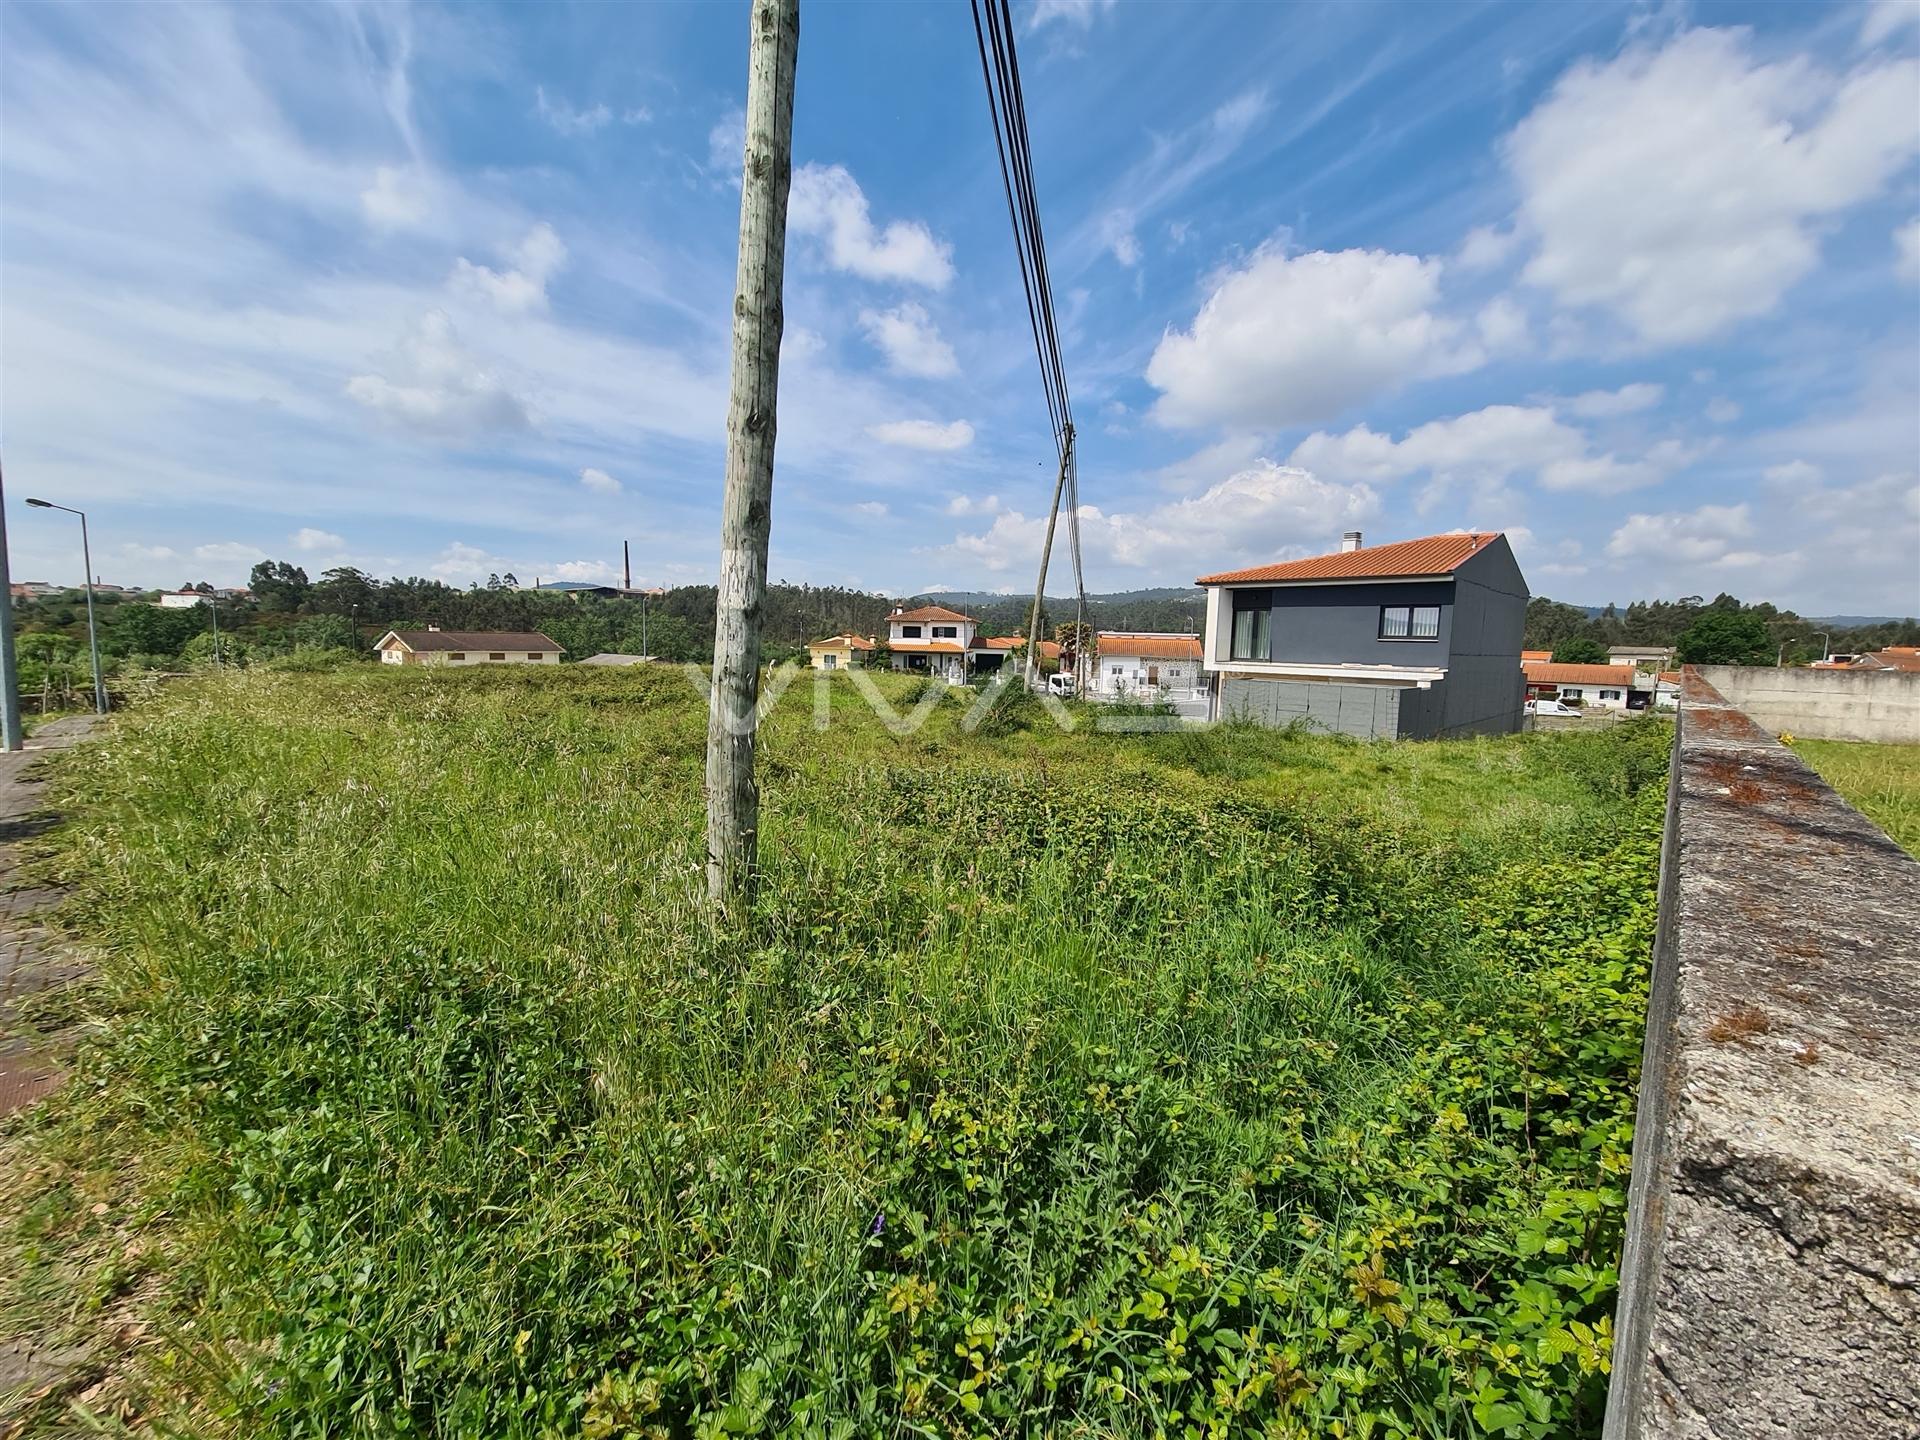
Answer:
(457, 655)
(1609, 694)
(829, 661)
(496, 655)
(1252, 625)
(1409, 622)
(946, 632)
(1572, 692)
(909, 632)
(533, 655)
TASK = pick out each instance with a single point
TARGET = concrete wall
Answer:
(1771, 1280)
(1824, 704)
(1367, 711)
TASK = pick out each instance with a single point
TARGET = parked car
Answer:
(1061, 683)
(1550, 707)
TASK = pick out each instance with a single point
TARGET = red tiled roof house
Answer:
(1132, 664)
(933, 640)
(1413, 640)
(434, 646)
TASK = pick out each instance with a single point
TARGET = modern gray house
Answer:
(1414, 640)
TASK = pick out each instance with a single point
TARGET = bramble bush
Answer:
(1058, 1086)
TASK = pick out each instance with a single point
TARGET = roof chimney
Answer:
(1349, 541)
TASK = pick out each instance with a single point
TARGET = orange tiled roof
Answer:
(1535, 657)
(847, 642)
(1150, 647)
(928, 647)
(1551, 674)
(1432, 555)
(1894, 657)
(928, 612)
(1049, 649)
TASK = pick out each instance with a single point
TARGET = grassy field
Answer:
(1882, 781)
(1224, 1083)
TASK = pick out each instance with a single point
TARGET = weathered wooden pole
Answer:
(733, 799)
(1046, 555)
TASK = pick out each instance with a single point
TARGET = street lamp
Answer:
(93, 633)
(1780, 660)
(1826, 645)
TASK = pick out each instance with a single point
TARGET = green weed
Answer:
(1226, 1083)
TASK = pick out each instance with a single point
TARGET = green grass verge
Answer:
(1223, 1083)
(1882, 782)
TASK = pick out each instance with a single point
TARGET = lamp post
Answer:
(213, 609)
(93, 633)
(1780, 660)
(1826, 645)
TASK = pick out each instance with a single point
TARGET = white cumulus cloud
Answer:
(923, 434)
(1076, 13)
(599, 481)
(523, 285)
(1289, 340)
(1709, 535)
(309, 539)
(1627, 400)
(435, 386)
(1906, 249)
(1682, 187)
(828, 204)
(1260, 513)
(974, 505)
(910, 340)
(396, 200)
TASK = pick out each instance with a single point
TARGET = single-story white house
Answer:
(1598, 687)
(180, 599)
(434, 646)
(1144, 665)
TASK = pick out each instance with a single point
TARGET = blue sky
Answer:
(447, 291)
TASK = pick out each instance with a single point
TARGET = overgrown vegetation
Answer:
(1223, 1083)
(1882, 781)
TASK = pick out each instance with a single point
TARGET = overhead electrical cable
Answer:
(1007, 110)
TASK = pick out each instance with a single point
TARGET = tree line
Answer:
(1720, 631)
(295, 620)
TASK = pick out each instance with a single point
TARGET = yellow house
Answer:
(839, 652)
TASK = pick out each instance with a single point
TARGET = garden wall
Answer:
(1771, 1278)
(1879, 705)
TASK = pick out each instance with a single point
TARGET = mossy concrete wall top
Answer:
(1771, 1280)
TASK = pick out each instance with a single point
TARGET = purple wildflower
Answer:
(879, 1226)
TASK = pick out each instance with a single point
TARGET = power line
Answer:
(1006, 108)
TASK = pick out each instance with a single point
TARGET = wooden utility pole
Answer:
(1046, 555)
(733, 799)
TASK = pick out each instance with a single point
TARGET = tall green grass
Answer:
(1212, 1083)
(1882, 781)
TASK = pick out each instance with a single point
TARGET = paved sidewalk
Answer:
(31, 960)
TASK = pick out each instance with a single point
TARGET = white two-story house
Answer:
(933, 640)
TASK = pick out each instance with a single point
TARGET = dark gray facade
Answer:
(1483, 611)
